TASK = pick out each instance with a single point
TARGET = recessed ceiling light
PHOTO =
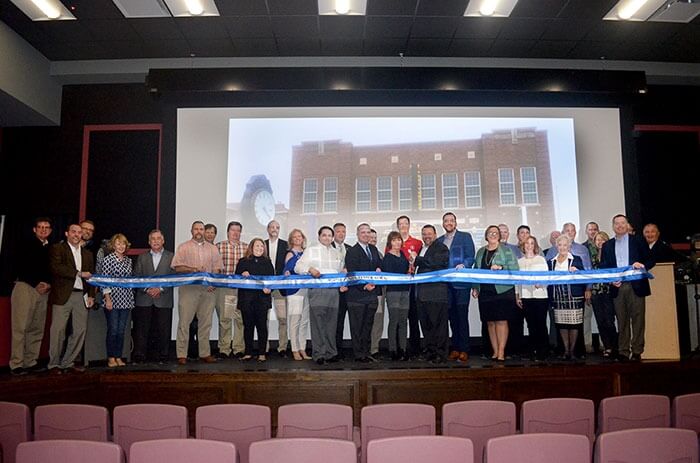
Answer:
(44, 10)
(180, 8)
(633, 10)
(490, 8)
(342, 7)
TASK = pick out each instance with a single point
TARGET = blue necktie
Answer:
(369, 254)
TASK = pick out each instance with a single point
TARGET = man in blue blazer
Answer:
(461, 246)
(621, 251)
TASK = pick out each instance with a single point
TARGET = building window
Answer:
(330, 194)
(438, 156)
(472, 189)
(384, 194)
(321, 147)
(363, 194)
(310, 195)
(450, 191)
(405, 192)
(427, 191)
(394, 159)
(363, 161)
(528, 184)
(471, 155)
(506, 187)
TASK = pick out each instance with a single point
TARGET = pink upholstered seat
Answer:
(634, 411)
(71, 421)
(15, 428)
(479, 421)
(303, 450)
(420, 449)
(69, 451)
(559, 415)
(141, 422)
(395, 420)
(649, 445)
(686, 412)
(182, 451)
(539, 448)
(239, 424)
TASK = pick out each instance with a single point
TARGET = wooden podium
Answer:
(661, 337)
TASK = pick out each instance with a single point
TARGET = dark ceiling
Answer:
(559, 29)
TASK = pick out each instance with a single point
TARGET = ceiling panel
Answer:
(523, 28)
(292, 7)
(510, 48)
(111, 29)
(391, 7)
(66, 31)
(241, 7)
(428, 47)
(156, 28)
(347, 27)
(470, 47)
(93, 9)
(299, 47)
(561, 29)
(586, 9)
(551, 49)
(249, 27)
(202, 28)
(385, 47)
(434, 27)
(211, 48)
(341, 47)
(256, 47)
(441, 7)
(479, 28)
(387, 26)
(538, 8)
(295, 26)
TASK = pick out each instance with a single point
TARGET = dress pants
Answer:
(535, 311)
(255, 318)
(28, 321)
(516, 333)
(340, 328)
(298, 319)
(279, 303)
(459, 318)
(361, 319)
(630, 310)
(397, 303)
(414, 318)
(587, 328)
(378, 323)
(604, 311)
(323, 318)
(434, 316)
(230, 321)
(194, 300)
(74, 308)
(151, 320)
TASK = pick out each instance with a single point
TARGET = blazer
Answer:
(638, 251)
(505, 258)
(278, 259)
(461, 252)
(144, 268)
(356, 260)
(437, 257)
(576, 290)
(63, 272)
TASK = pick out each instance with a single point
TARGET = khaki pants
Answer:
(28, 320)
(279, 303)
(230, 321)
(194, 300)
(630, 310)
(75, 308)
(378, 324)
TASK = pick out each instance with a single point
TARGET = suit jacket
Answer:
(356, 260)
(63, 272)
(278, 259)
(576, 290)
(437, 257)
(461, 252)
(144, 268)
(504, 257)
(638, 251)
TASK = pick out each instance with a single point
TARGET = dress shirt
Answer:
(340, 247)
(273, 252)
(156, 258)
(622, 250)
(231, 253)
(325, 259)
(78, 259)
(198, 255)
(447, 241)
(577, 249)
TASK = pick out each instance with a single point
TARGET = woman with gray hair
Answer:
(567, 299)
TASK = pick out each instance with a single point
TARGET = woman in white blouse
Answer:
(533, 299)
(319, 260)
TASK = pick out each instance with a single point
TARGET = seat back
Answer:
(239, 424)
(559, 415)
(648, 445)
(303, 450)
(315, 420)
(685, 412)
(395, 420)
(141, 422)
(539, 448)
(633, 412)
(69, 451)
(71, 421)
(15, 428)
(182, 451)
(420, 449)
(479, 421)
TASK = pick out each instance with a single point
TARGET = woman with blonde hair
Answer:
(603, 307)
(297, 302)
(117, 301)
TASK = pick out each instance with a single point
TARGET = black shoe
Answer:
(394, 356)
(363, 360)
(36, 368)
(374, 357)
(222, 355)
(622, 358)
(237, 355)
(334, 359)
(283, 354)
(636, 357)
(19, 371)
(321, 361)
(438, 360)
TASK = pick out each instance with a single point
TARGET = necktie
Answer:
(369, 254)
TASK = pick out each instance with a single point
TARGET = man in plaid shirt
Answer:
(227, 311)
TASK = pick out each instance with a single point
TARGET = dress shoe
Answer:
(454, 355)
(304, 355)
(182, 360)
(334, 359)
(77, 369)
(120, 362)
(237, 355)
(19, 371)
(55, 371)
(463, 357)
(111, 363)
(36, 368)
(321, 361)
(297, 356)
(208, 359)
(245, 358)
(262, 358)
(363, 360)
(282, 353)
(438, 360)
(394, 356)
(636, 357)
(222, 355)
(374, 357)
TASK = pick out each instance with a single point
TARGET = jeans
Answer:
(116, 326)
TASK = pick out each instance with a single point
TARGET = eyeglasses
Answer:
(493, 234)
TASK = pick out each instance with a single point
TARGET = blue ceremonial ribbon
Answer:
(336, 280)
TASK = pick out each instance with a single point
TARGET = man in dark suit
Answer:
(660, 251)
(277, 250)
(433, 298)
(70, 266)
(628, 297)
(154, 306)
(338, 243)
(461, 246)
(362, 299)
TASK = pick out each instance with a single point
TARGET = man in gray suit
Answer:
(154, 306)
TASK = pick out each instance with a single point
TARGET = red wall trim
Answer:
(87, 131)
(667, 128)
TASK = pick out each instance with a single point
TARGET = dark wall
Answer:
(40, 168)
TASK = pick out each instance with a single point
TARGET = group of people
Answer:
(58, 274)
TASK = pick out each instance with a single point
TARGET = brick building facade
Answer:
(502, 177)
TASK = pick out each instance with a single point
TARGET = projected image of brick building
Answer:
(502, 177)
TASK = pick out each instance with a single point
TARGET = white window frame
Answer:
(423, 189)
(404, 189)
(467, 196)
(368, 201)
(534, 182)
(455, 197)
(382, 203)
(305, 208)
(501, 184)
(328, 205)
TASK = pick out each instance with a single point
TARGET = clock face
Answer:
(264, 207)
